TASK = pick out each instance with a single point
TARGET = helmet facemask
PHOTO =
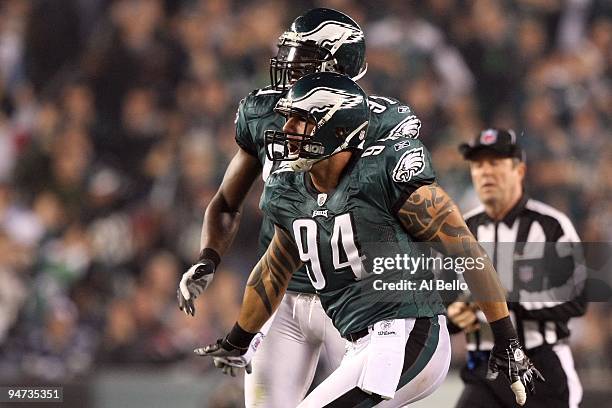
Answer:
(298, 148)
(301, 148)
(320, 40)
(337, 110)
(297, 58)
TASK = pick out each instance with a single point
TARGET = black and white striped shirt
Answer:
(537, 253)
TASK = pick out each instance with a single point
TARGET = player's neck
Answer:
(325, 175)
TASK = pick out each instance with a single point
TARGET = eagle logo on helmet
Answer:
(322, 99)
(409, 165)
(328, 32)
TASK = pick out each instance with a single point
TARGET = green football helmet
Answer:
(321, 40)
(337, 107)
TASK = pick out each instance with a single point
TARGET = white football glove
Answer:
(229, 359)
(193, 283)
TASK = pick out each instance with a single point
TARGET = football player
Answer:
(319, 40)
(340, 212)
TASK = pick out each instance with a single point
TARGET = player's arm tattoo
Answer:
(269, 280)
(430, 215)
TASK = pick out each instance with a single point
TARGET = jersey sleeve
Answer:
(244, 138)
(408, 166)
(396, 120)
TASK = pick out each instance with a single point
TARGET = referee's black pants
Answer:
(482, 393)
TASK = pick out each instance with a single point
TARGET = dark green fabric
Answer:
(362, 203)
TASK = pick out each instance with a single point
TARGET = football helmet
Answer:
(321, 40)
(337, 107)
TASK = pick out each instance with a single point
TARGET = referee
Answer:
(536, 252)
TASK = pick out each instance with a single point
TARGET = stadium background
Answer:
(116, 124)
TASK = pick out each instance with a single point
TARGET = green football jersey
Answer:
(342, 235)
(389, 119)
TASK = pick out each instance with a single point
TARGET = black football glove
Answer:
(228, 357)
(512, 362)
(193, 283)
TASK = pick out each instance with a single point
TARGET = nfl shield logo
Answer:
(488, 137)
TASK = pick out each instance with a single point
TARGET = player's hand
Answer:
(193, 283)
(463, 315)
(229, 358)
(516, 367)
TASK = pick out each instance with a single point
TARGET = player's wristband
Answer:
(503, 331)
(239, 338)
(211, 255)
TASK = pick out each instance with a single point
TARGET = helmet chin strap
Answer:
(302, 165)
(361, 74)
(350, 136)
(327, 116)
(339, 43)
(326, 65)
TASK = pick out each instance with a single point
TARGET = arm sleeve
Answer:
(564, 298)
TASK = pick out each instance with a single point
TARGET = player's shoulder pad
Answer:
(282, 176)
(258, 103)
(392, 118)
(379, 103)
(277, 183)
(402, 159)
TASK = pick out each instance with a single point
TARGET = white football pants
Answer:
(300, 337)
(404, 358)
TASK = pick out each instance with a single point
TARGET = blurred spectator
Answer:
(52, 40)
(59, 350)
